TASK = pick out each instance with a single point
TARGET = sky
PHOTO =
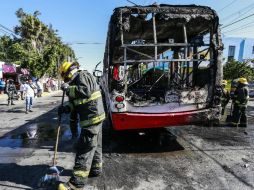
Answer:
(87, 21)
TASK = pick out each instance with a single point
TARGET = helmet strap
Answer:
(72, 74)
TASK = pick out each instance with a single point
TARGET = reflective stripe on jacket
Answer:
(92, 121)
(241, 96)
(85, 96)
(94, 96)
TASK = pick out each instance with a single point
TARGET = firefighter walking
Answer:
(84, 99)
(240, 100)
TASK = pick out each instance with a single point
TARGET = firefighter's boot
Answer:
(68, 186)
(96, 170)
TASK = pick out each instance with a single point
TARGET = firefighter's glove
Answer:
(65, 87)
(64, 109)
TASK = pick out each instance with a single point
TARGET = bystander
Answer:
(29, 90)
(2, 86)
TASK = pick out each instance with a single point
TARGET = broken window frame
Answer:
(212, 48)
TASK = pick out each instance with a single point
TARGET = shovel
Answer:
(52, 175)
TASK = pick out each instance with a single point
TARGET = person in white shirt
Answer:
(39, 87)
(22, 86)
(29, 90)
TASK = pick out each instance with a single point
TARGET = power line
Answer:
(5, 32)
(132, 3)
(84, 43)
(13, 33)
(241, 27)
(7, 28)
(237, 21)
(239, 13)
(232, 2)
(240, 31)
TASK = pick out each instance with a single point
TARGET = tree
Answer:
(39, 48)
(235, 69)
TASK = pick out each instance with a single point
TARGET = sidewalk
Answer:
(4, 97)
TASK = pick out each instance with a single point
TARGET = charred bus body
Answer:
(162, 66)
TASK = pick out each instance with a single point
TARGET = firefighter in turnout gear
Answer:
(85, 99)
(225, 96)
(240, 100)
(11, 91)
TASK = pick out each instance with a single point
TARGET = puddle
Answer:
(34, 135)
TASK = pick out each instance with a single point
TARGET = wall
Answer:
(239, 47)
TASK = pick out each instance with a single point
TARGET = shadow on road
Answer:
(28, 175)
(149, 141)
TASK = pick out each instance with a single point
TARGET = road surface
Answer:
(213, 158)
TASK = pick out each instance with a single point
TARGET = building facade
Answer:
(240, 49)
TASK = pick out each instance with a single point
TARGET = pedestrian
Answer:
(29, 90)
(11, 91)
(21, 89)
(48, 85)
(35, 89)
(2, 86)
(240, 101)
(85, 98)
(225, 96)
(39, 88)
(53, 84)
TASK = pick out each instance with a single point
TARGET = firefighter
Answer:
(11, 91)
(85, 99)
(240, 100)
(74, 120)
(225, 96)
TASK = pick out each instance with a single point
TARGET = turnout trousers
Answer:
(10, 97)
(74, 123)
(88, 159)
(239, 116)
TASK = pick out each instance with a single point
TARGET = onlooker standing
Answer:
(29, 90)
(48, 85)
(39, 87)
(11, 91)
(35, 88)
(2, 86)
(22, 86)
(53, 84)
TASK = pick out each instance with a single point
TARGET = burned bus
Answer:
(162, 66)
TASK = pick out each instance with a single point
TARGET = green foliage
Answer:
(39, 48)
(235, 69)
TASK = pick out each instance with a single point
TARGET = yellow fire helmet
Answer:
(224, 82)
(243, 80)
(67, 70)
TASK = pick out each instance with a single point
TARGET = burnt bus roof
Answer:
(198, 18)
(138, 24)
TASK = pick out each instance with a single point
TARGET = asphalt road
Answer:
(211, 158)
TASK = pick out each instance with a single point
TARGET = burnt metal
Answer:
(139, 36)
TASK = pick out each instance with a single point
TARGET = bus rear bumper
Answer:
(127, 120)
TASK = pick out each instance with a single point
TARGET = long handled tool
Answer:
(52, 175)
